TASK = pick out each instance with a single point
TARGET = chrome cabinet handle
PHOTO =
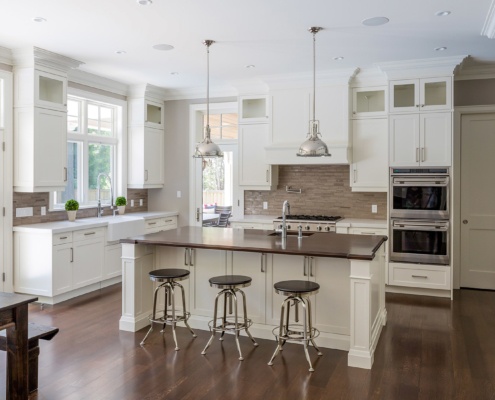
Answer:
(355, 175)
(191, 257)
(420, 276)
(305, 273)
(146, 175)
(65, 174)
(263, 262)
(311, 266)
(151, 223)
(63, 237)
(89, 233)
(185, 256)
(267, 176)
(422, 153)
(417, 154)
(71, 254)
(197, 214)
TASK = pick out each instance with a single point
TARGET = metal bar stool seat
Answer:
(297, 293)
(231, 285)
(168, 279)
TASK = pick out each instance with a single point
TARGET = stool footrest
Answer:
(169, 319)
(295, 334)
(229, 325)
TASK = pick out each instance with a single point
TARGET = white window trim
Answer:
(120, 184)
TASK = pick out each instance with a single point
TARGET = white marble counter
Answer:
(362, 223)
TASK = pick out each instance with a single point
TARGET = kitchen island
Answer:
(349, 309)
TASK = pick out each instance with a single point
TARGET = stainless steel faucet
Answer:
(99, 211)
(285, 211)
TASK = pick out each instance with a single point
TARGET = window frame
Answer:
(119, 182)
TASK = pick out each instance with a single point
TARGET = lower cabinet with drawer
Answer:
(51, 265)
(153, 225)
(419, 276)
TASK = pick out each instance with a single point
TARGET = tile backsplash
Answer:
(38, 200)
(325, 190)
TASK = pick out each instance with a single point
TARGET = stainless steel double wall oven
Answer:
(419, 215)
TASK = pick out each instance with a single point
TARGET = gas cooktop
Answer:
(302, 217)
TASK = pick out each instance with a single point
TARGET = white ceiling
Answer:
(270, 34)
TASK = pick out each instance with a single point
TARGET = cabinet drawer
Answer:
(160, 224)
(86, 234)
(62, 238)
(432, 277)
(368, 231)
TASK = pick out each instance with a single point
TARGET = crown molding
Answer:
(5, 56)
(97, 82)
(370, 77)
(199, 93)
(471, 72)
(488, 29)
(438, 66)
(34, 56)
(333, 77)
(147, 90)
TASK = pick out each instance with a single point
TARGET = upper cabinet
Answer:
(369, 102)
(419, 95)
(146, 153)
(254, 109)
(40, 119)
(254, 136)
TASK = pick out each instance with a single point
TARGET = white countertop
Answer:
(254, 218)
(87, 223)
(362, 223)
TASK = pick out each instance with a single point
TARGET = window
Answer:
(222, 126)
(92, 148)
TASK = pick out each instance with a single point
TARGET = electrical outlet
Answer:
(141, 202)
(24, 212)
(43, 210)
(374, 208)
(132, 203)
(179, 194)
(265, 205)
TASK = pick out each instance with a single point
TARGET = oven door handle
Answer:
(423, 227)
(436, 182)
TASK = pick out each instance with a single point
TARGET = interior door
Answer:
(477, 201)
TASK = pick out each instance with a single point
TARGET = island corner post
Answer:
(364, 257)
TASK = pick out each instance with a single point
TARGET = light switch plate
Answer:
(24, 212)
(132, 203)
(179, 194)
(43, 210)
(374, 208)
(141, 202)
(265, 205)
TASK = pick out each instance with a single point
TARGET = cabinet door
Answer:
(404, 146)
(436, 139)
(369, 155)
(435, 94)
(50, 91)
(153, 114)
(153, 157)
(254, 109)
(254, 266)
(284, 268)
(204, 265)
(404, 95)
(253, 170)
(331, 304)
(62, 260)
(369, 102)
(88, 262)
(50, 149)
(112, 266)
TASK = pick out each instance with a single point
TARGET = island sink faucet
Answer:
(99, 211)
(285, 212)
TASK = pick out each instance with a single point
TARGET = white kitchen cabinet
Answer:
(419, 276)
(369, 168)
(146, 158)
(62, 268)
(254, 173)
(146, 111)
(39, 88)
(251, 225)
(419, 95)
(154, 225)
(420, 139)
(254, 109)
(88, 257)
(112, 267)
(40, 149)
(369, 102)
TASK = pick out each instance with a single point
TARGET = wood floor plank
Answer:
(431, 348)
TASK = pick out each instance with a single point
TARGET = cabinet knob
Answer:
(465, 222)
(417, 105)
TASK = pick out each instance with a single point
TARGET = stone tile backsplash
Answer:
(325, 190)
(38, 200)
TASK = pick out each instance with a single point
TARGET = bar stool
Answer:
(298, 292)
(230, 285)
(169, 277)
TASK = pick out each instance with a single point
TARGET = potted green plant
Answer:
(121, 202)
(71, 206)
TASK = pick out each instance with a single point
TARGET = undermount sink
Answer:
(123, 226)
(304, 234)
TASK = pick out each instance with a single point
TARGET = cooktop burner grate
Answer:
(302, 217)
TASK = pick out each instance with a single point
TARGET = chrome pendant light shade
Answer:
(313, 146)
(207, 149)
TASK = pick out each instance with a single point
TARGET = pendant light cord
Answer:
(208, 43)
(314, 30)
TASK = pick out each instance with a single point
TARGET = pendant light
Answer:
(314, 146)
(207, 149)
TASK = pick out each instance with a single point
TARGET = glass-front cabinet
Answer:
(417, 95)
(369, 102)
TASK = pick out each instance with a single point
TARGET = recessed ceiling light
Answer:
(120, 52)
(440, 48)
(250, 66)
(442, 13)
(375, 21)
(163, 47)
(340, 58)
(39, 19)
(144, 2)
(174, 73)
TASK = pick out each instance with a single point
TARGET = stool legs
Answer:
(229, 297)
(171, 319)
(284, 331)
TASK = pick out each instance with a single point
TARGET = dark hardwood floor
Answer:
(430, 349)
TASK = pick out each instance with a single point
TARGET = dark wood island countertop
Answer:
(360, 247)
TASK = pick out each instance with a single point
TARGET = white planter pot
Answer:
(121, 210)
(72, 215)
